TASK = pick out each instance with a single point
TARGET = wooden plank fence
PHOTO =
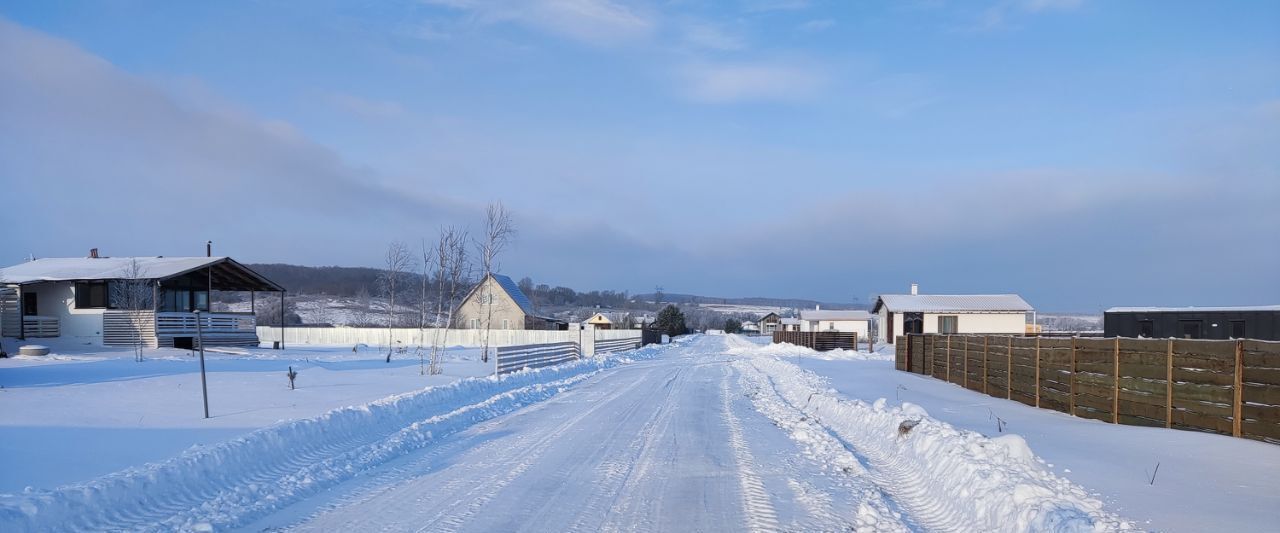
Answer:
(1230, 387)
(819, 340)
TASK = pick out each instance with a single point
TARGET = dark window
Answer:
(1237, 329)
(1190, 328)
(948, 325)
(92, 295)
(912, 323)
(1147, 329)
(29, 307)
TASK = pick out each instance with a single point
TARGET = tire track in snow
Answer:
(756, 505)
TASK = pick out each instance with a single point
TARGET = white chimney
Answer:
(817, 307)
(915, 289)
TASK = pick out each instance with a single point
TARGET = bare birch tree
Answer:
(132, 294)
(397, 261)
(451, 268)
(499, 229)
(423, 306)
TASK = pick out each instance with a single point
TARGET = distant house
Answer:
(1255, 322)
(900, 314)
(498, 302)
(71, 298)
(789, 324)
(750, 327)
(847, 321)
(599, 321)
(769, 323)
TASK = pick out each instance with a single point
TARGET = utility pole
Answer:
(204, 386)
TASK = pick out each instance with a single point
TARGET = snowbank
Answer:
(939, 475)
(227, 484)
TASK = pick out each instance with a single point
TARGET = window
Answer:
(29, 307)
(475, 323)
(92, 295)
(948, 325)
(506, 324)
(1190, 328)
(1237, 329)
(1146, 329)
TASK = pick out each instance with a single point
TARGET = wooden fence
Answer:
(818, 340)
(1230, 387)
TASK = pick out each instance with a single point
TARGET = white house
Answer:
(71, 298)
(850, 321)
(899, 314)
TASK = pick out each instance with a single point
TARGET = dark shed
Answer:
(1257, 322)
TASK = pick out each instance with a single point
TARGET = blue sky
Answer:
(1081, 153)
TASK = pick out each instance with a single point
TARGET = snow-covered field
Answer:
(710, 433)
(84, 412)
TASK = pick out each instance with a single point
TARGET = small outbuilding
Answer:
(768, 323)
(901, 314)
(844, 321)
(1253, 322)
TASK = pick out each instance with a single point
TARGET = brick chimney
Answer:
(93, 253)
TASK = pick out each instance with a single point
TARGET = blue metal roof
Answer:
(515, 293)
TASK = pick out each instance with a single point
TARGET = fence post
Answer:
(949, 359)
(986, 365)
(966, 362)
(1168, 387)
(1238, 405)
(1071, 403)
(1115, 386)
(1037, 371)
(1008, 372)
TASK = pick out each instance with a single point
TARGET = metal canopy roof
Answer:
(952, 303)
(226, 273)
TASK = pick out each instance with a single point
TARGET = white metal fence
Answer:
(617, 345)
(513, 358)
(414, 336)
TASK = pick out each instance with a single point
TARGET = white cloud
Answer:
(598, 22)
(713, 37)
(364, 107)
(745, 82)
(817, 25)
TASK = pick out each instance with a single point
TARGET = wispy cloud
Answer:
(704, 35)
(817, 25)
(597, 22)
(364, 107)
(1002, 13)
(747, 82)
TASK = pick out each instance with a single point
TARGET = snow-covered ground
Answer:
(84, 412)
(1204, 483)
(709, 433)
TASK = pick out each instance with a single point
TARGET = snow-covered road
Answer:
(710, 433)
(670, 444)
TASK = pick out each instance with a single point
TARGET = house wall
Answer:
(504, 308)
(848, 326)
(58, 300)
(1012, 323)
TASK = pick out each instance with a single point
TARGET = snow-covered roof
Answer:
(227, 272)
(1242, 308)
(944, 303)
(790, 321)
(834, 314)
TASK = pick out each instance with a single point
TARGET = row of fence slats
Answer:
(1228, 387)
(818, 340)
(616, 345)
(513, 358)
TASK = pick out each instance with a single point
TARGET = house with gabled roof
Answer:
(76, 299)
(497, 302)
(901, 314)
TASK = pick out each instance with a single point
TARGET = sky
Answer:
(1081, 153)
